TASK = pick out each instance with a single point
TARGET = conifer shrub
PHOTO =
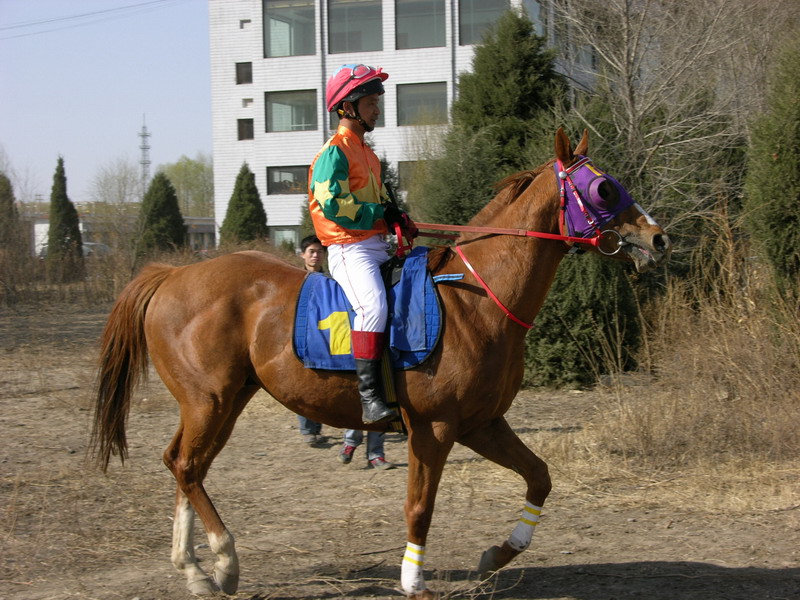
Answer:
(772, 187)
(64, 242)
(246, 219)
(589, 325)
(161, 223)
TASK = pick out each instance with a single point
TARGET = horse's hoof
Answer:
(495, 558)
(203, 586)
(227, 582)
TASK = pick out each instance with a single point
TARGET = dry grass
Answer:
(726, 359)
(715, 417)
(23, 278)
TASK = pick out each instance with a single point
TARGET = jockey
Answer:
(351, 212)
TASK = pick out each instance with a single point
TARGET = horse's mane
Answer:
(513, 186)
(508, 189)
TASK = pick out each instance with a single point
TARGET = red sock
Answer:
(367, 344)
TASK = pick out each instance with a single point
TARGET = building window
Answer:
(287, 180)
(291, 111)
(475, 17)
(422, 103)
(420, 23)
(355, 25)
(246, 129)
(288, 28)
(244, 73)
(284, 237)
(333, 122)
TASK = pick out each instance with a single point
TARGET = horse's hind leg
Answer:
(204, 429)
(500, 444)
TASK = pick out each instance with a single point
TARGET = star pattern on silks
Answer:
(346, 201)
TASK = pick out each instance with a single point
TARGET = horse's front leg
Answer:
(497, 442)
(428, 447)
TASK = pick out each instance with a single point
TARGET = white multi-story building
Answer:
(271, 59)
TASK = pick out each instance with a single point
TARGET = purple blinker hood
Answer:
(586, 210)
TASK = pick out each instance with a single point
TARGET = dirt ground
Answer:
(309, 527)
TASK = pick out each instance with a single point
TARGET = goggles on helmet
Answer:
(350, 83)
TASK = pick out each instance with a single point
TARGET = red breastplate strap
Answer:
(507, 312)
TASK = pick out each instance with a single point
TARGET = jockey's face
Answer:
(369, 109)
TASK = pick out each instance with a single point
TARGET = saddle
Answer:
(324, 317)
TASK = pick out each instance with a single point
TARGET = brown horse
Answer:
(218, 331)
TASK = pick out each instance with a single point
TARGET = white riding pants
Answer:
(356, 267)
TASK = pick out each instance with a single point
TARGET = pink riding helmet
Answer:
(352, 82)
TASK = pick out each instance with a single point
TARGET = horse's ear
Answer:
(583, 145)
(563, 147)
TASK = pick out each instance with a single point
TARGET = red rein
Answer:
(402, 249)
(593, 241)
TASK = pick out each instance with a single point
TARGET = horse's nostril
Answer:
(661, 242)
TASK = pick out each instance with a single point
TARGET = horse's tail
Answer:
(123, 362)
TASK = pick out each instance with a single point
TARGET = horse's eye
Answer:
(605, 194)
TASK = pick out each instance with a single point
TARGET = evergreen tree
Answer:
(161, 223)
(306, 225)
(588, 325)
(513, 80)
(246, 219)
(64, 243)
(461, 182)
(772, 189)
(13, 249)
(9, 216)
(391, 180)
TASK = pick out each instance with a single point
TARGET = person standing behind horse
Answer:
(351, 212)
(313, 254)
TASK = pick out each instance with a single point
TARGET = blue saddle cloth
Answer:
(324, 319)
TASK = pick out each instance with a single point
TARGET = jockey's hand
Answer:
(408, 226)
(392, 215)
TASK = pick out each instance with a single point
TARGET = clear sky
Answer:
(77, 78)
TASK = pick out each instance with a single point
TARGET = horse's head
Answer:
(595, 205)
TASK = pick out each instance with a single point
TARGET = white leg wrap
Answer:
(411, 577)
(225, 549)
(182, 535)
(523, 532)
(183, 557)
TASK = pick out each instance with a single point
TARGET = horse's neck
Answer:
(518, 270)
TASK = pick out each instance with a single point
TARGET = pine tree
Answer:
(64, 243)
(306, 225)
(13, 249)
(246, 220)
(461, 182)
(9, 216)
(161, 223)
(513, 80)
(588, 325)
(772, 188)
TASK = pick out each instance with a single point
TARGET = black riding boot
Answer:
(370, 387)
